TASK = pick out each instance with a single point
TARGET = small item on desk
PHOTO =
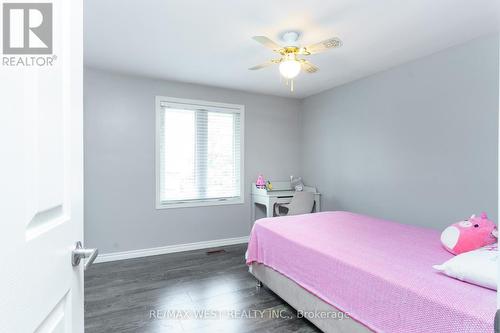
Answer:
(269, 186)
(296, 183)
(260, 183)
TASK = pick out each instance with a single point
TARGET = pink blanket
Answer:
(379, 272)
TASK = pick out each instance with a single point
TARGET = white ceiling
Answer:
(209, 42)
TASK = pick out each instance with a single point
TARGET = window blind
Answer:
(200, 153)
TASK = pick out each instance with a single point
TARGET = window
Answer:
(199, 153)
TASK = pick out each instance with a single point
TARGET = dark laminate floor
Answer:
(166, 293)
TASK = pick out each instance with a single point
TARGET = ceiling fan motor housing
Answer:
(291, 38)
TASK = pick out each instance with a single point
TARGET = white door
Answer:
(41, 179)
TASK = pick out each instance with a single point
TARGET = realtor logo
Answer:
(27, 28)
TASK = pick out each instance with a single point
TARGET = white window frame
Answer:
(196, 105)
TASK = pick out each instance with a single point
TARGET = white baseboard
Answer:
(113, 256)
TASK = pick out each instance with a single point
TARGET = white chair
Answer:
(302, 203)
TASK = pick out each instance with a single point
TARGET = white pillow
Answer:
(478, 267)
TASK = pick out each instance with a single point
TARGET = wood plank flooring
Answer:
(184, 292)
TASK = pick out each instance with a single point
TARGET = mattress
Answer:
(323, 315)
(377, 271)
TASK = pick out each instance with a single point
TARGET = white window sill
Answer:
(201, 203)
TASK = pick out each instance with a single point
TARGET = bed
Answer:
(377, 272)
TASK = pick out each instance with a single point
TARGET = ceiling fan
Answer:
(290, 64)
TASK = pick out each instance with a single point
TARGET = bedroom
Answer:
(347, 183)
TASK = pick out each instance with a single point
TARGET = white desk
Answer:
(281, 193)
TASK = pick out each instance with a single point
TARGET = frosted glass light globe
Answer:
(289, 68)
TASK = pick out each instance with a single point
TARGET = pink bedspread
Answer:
(379, 272)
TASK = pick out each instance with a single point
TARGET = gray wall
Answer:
(120, 209)
(416, 144)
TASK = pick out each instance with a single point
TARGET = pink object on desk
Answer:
(379, 272)
(260, 183)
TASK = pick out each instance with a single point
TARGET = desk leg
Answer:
(252, 213)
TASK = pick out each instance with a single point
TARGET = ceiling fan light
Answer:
(289, 68)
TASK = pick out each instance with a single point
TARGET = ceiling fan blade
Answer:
(267, 42)
(309, 68)
(263, 65)
(330, 43)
